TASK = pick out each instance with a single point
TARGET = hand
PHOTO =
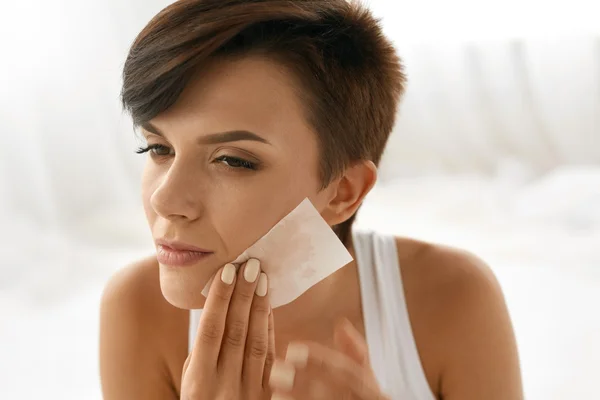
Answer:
(314, 372)
(234, 348)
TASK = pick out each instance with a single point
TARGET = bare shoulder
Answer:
(455, 274)
(460, 322)
(143, 339)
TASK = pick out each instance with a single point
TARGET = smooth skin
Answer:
(221, 194)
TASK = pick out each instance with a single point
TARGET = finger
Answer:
(291, 382)
(257, 341)
(350, 342)
(313, 371)
(270, 360)
(231, 357)
(295, 382)
(212, 321)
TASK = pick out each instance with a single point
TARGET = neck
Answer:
(314, 314)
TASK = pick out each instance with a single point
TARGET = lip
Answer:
(180, 246)
(179, 254)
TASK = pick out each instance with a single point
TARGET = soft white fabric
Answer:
(392, 347)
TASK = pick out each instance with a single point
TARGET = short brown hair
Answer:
(350, 76)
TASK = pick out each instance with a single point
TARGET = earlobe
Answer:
(349, 192)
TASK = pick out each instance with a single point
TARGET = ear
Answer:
(348, 192)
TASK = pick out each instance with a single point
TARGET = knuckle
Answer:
(259, 347)
(270, 358)
(236, 334)
(222, 294)
(245, 296)
(260, 308)
(210, 332)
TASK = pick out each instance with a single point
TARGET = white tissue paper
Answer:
(298, 252)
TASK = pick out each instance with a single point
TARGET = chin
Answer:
(182, 287)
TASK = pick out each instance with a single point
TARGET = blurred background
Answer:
(497, 150)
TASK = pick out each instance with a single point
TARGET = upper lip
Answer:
(180, 246)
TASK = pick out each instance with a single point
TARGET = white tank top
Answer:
(392, 348)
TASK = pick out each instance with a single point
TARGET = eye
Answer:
(235, 162)
(156, 149)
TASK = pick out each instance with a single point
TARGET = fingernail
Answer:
(251, 270)
(263, 284)
(297, 354)
(228, 274)
(282, 376)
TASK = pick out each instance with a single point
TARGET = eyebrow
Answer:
(215, 138)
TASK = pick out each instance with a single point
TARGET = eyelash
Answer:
(152, 148)
(229, 161)
(241, 163)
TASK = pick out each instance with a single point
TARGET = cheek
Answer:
(249, 208)
(147, 188)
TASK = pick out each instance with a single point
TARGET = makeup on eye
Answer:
(236, 162)
(159, 150)
(156, 150)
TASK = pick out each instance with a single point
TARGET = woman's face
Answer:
(231, 158)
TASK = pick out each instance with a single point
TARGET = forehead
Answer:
(250, 93)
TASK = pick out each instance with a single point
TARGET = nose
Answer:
(178, 195)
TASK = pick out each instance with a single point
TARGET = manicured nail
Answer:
(263, 284)
(297, 354)
(228, 274)
(251, 270)
(282, 376)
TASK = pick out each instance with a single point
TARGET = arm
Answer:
(131, 366)
(481, 353)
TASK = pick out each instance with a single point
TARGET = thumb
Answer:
(350, 342)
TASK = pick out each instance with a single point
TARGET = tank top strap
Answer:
(389, 333)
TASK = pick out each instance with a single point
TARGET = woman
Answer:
(248, 107)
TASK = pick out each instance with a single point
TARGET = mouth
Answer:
(177, 254)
